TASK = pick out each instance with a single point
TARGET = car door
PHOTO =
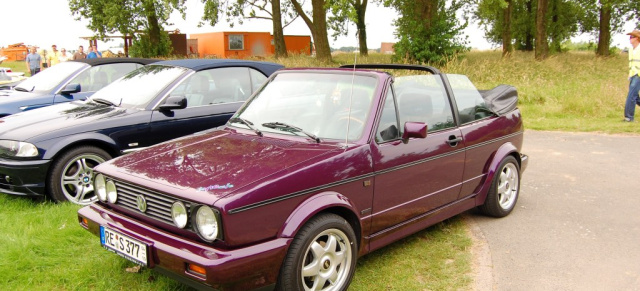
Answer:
(417, 175)
(213, 96)
(94, 79)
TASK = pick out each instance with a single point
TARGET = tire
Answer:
(71, 175)
(327, 247)
(505, 189)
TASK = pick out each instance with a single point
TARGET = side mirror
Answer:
(414, 129)
(71, 88)
(174, 102)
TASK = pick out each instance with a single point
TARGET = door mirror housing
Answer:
(414, 129)
(71, 88)
(174, 102)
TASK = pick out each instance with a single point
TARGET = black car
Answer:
(53, 150)
(65, 82)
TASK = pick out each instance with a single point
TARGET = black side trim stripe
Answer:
(299, 193)
(373, 174)
(494, 140)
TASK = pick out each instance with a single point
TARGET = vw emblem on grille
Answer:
(142, 203)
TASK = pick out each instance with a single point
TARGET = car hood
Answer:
(38, 124)
(11, 96)
(208, 166)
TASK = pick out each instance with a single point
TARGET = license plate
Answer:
(124, 246)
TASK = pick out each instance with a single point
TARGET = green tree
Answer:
(130, 17)
(604, 17)
(276, 11)
(428, 30)
(354, 11)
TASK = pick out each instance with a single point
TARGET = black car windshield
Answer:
(51, 77)
(139, 87)
(316, 104)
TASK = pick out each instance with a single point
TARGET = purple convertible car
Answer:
(318, 168)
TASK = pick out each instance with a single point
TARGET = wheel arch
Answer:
(327, 202)
(505, 150)
(100, 141)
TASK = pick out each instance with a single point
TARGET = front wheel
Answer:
(71, 176)
(505, 189)
(322, 256)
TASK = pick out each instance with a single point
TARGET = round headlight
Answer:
(112, 194)
(207, 223)
(179, 214)
(99, 185)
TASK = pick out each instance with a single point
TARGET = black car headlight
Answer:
(12, 148)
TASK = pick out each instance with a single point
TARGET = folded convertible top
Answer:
(502, 99)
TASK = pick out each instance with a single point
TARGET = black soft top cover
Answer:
(501, 100)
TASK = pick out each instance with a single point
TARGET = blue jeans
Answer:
(632, 98)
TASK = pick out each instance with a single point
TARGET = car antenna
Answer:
(353, 76)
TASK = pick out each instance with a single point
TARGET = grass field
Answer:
(43, 247)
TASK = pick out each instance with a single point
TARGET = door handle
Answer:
(454, 140)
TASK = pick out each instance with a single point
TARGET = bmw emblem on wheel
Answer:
(142, 203)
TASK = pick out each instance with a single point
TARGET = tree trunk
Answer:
(318, 28)
(152, 21)
(507, 46)
(604, 39)
(278, 34)
(361, 8)
(528, 39)
(542, 47)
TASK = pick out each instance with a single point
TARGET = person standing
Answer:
(33, 61)
(79, 55)
(63, 57)
(93, 53)
(53, 57)
(634, 80)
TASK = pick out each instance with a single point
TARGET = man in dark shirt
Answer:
(80, 54)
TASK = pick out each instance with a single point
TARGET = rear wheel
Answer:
(505, 189)
(71, 176)
(322, 256)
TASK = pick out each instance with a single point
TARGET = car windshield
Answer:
(51, 77)
(312, 104)
(139, 87)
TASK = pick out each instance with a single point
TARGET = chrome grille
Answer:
(158, 205)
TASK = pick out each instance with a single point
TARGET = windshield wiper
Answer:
(290, 128)
(248, 123)
(104, 101)
(23, 89)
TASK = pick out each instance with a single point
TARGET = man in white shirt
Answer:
(634, 80)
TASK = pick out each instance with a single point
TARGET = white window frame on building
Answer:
(234, 40)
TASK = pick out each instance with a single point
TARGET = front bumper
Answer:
(26, 178)
(252, 267)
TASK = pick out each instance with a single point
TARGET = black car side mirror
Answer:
(414, 129)
(174, 102)
(71, 88)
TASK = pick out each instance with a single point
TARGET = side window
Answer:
(422, 98)
(471, 105)
(215, 86)
(257, 79)
(388, 127)
(95, 78)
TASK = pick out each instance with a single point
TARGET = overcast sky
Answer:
(43, 23)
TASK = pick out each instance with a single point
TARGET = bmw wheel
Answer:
(71, 176)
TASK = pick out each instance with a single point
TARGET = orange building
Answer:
(245, 44)
(15, 52)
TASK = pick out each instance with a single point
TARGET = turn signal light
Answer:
(195, 269)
